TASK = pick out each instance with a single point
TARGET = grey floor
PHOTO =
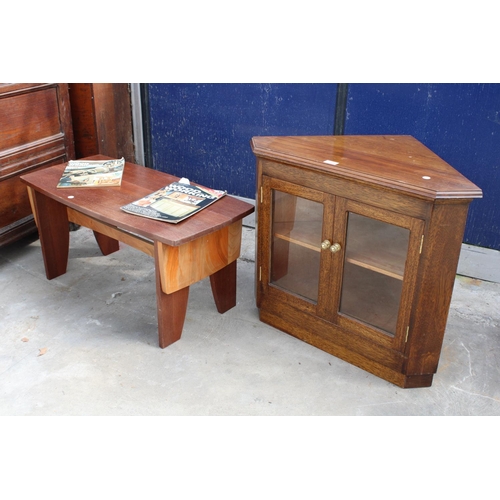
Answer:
(86, 344)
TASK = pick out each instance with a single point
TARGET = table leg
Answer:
(171, 309)
(53, 230)
(106, 244)
(223, 285)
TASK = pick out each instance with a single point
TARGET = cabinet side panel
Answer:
(82, 111)
(102, 120)
(66, 122)
(262, 241)
(439, 261)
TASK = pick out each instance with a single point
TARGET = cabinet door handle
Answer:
(325, 245)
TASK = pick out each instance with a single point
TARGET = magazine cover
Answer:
(92, 173)
(174, 203)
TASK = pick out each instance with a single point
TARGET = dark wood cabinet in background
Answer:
(358, 240)
(35, 132)
(102, 120)
(49, 123)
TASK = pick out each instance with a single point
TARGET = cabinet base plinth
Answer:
(416, 381)
(304, 333)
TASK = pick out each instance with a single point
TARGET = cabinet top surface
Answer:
(398, 162)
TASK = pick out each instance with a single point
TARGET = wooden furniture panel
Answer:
(394, 214)
(35, 132)
(102, 120)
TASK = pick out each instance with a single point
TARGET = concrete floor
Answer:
(86, 344)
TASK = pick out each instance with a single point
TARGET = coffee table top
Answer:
(103, 203)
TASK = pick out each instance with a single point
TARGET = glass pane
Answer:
(296, 243)
(375, 258)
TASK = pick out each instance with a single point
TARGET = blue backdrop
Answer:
(458, 122)
(203, 132)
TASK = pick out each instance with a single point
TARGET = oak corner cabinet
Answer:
(358, 241)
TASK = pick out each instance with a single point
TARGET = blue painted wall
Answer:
(203, 131)
(459, 122)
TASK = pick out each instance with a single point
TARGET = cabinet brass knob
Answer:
(335, 247)
(325, 244)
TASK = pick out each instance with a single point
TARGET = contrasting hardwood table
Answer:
(206, 244)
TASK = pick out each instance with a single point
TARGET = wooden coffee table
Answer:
(206, 244)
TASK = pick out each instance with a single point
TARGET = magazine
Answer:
(92, 173)
(175, 202)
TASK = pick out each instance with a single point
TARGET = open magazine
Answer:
(92, 173)
(175, 202)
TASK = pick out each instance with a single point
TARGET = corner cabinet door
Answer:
(291, 223)
(378, 256)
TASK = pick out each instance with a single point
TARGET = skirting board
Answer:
(480, 263)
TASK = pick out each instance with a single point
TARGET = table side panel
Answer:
(54, 233)
(133, 240)
(184, 265)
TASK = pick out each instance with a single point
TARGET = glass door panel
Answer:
(374, 266)
(296, 243)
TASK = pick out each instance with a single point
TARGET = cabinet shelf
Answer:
(372, 264)
(363, 252)
(299, 237)
(377, 246)
(379, 295)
